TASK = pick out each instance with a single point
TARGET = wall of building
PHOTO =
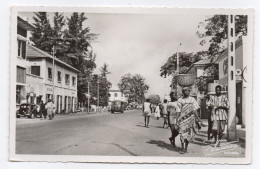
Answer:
(65, 95)
(120, 96)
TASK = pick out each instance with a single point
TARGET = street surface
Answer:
(109, 134)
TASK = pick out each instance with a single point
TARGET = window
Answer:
(49, 73)
(20, 78)
(21, 48)
(35, 70)
(67, 78)
(73, 80)
(59, 76)
(115, 94)
(122, 95)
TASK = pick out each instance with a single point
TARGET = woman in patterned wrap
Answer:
(187, 118)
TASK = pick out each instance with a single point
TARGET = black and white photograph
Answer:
(131, 85)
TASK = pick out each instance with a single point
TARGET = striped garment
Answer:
(216, 101)
(187, 118)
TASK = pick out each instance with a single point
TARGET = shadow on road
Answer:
(164, 145)
(139, 125)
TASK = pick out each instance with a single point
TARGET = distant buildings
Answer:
(116, 94)
(38, 80)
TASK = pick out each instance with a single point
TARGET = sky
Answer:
(140, 43)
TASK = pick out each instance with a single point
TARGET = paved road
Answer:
(106, 134)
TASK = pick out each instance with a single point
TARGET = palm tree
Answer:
(104, 70)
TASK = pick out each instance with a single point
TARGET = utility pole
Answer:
(98, 94)
(53, 51)
(88, 96)
(177, 66)
(231, 130)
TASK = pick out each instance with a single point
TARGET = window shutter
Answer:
(23, 49)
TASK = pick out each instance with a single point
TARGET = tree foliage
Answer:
(42, 32)
(104, 70)
(185, 61)
(72, 42)
(209, 75)
(134, 87)
(214, 31)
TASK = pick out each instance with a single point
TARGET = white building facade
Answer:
(58, 83)
(21, 81)
(116, 94)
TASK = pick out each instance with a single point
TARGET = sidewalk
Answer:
(235, 148)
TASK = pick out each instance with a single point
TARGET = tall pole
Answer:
(178, 66)
(53, 50)
(231, 132)
(98, 94)
(88, 97)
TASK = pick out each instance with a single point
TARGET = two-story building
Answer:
(42, 77)
(22, 28)
(116, 94)
(50, 78)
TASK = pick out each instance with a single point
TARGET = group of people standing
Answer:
(181, 115)
(47, 109)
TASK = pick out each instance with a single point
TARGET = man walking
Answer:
(147, 111)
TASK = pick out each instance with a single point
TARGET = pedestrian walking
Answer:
(157, 111)
(219, 106)
(42, 108)
(50, 109)
(147, 111)
(165, 113)
(187, 118)
(173, 109)
(210, 122)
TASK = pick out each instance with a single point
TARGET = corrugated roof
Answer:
(33, 52)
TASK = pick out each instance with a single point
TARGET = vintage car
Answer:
(118, 106)
(27, 110)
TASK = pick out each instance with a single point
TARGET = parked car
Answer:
(27, 110)
(118, 106)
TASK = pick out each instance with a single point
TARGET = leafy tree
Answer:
(58, 37)
(78, 40)
(209, 75)
(185, 61)
(134, 87)
(214, 31)
(42, 32)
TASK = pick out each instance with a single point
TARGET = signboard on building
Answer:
(49, 90)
